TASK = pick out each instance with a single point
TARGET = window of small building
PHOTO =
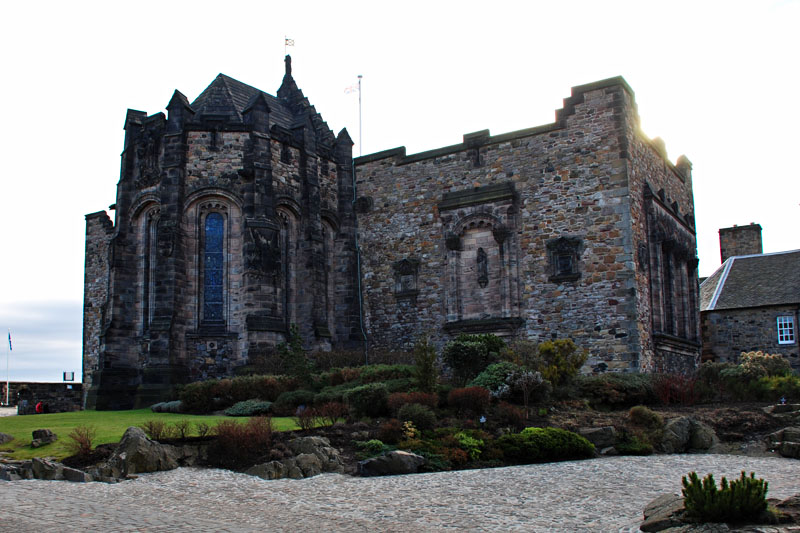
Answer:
(785, 330)
(213, 271)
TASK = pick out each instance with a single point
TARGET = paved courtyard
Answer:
(598, 495)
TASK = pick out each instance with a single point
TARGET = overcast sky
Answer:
(716, 80)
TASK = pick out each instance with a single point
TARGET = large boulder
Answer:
(5, 438)
(786, 441)
(392, 463)
(685, 434)
(664, 512)
(42, 437)
(271, 470)
(53, 471)
(329, 457)
(136, 454)
(603, 437)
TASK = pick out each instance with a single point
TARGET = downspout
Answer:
(358, 269)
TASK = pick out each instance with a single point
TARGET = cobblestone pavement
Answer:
(605, 494)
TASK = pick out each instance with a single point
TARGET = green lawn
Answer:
(109, 426)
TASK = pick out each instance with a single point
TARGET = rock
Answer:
(662, 513)
(329, 457)
(391, 463)
(702, 436)
(9, 472)
(687, 434)
(779, 409)
(271, 470)
(790, 449)
(5, 437)
(42, 437)
(790, 509)
(44, 469)
(603, 437)
(676, 435)
(610, 451)
(76, 476)
(309, 464)
(136, 454)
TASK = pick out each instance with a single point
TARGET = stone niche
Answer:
(481, 259)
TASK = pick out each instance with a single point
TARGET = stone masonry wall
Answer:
(728, 333)
(99, 229)
(568, 180)
(648, 166)
(740, 240)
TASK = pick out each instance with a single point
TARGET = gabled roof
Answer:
(753, 281)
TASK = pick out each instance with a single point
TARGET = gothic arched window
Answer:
(149, 285)
(213, 269)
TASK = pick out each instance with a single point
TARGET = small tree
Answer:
(527, 381)
(293, 358)
(425, 369)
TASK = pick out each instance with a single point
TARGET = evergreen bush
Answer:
(420, 415)
(425, 369)
(744, 499)
(368, 400)
(469, 400)
(640, 415)
(399, 399)
(288, 402)
(533, 445)
(617, 390)
(249, 408)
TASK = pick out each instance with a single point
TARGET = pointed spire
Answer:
(288, 61)
(179, 111)
(344, 137)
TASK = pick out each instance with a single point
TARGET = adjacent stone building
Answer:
(752, 301)
(241, 213)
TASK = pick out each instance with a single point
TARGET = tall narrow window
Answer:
(213, 269)
(785, 330)
(149, 292)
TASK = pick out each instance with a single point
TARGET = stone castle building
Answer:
(240, 214)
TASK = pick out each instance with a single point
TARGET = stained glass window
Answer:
(213, 268)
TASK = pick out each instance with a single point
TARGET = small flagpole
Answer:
(360, 145)
(8, 356)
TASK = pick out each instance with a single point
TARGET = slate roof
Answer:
(229, 97)
(753, 281)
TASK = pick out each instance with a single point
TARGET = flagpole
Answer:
(360, 145)
(8, 356)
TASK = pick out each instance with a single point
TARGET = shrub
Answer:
(473, 400)
(80, 440)
(742, 500)
(534, 445)
(494, 344)
(167, 407)
(400, 384)
(203, 429)
(425, 369)
(675, 389)
(469, 444)
(775, 387)
(467, 358)
(633, 445)
(617, 390)
(759, 364)
(156, 429)
(399, 399)
(206, 396)
(306, 417)
(375, 373)
(249, 408)
(182, 428)
(337, 359)
(331, 412)
(559, 360)
(238, 445)
(508, 415)
(529, 383)
(368, 400)
(495, 378)
(391, 431)
(288, 402)
(420, 415)
(371, 448)
(456, 456)
(642, 416)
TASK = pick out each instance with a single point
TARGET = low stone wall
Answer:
(55, 397)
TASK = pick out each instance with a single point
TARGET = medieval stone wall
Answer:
(96, 278)
(727, 333)
(566, 190)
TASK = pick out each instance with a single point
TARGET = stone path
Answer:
(605, 494)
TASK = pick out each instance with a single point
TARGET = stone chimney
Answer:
(740, 240)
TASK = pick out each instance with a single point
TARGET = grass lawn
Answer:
(109, 426)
